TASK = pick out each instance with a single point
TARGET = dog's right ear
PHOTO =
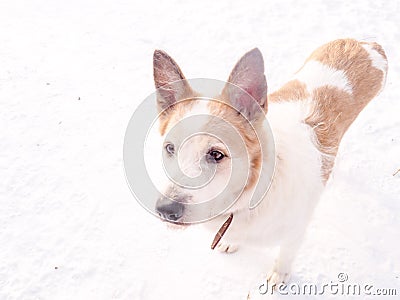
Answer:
(170, 83)
(248, 75)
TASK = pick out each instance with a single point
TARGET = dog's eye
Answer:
(216, 155)
(170, 148)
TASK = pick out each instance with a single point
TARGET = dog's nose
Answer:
(169, 210)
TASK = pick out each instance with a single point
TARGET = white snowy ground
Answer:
(71, 75)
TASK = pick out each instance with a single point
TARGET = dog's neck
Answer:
(295, 151)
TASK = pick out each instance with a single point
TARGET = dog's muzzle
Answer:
(169, 210)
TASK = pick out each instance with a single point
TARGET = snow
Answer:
(71, 75)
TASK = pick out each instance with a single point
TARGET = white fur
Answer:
(315, 74)
(200, 107)
(378, 62)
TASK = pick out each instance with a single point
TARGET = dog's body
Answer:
(308, 117)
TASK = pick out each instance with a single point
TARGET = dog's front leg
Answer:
(281, 270)
(280, 273)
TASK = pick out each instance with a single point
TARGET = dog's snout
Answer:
(169, 210)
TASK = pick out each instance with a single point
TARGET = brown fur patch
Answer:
(331, 114)
(293, 90)
(349, 56)
(334, 110)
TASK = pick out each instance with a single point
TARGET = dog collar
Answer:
(222, 231)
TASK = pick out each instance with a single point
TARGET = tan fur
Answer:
(293, 90)
(334, 110)
(349, 56)
(331, 115)
(174, 113)
(247, 132)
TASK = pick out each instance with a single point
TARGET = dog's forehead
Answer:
(188, 117)
(199, 107)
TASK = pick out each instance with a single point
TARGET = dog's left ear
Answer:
(248, 75)
(169, 80)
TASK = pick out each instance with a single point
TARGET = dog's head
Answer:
(211, 147)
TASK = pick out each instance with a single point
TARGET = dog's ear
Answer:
(248, 74)
(170, 83)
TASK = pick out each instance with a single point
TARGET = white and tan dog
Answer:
(308, 116)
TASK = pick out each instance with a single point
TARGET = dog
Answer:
(308, 117)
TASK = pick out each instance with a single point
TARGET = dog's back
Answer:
(339, 78)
